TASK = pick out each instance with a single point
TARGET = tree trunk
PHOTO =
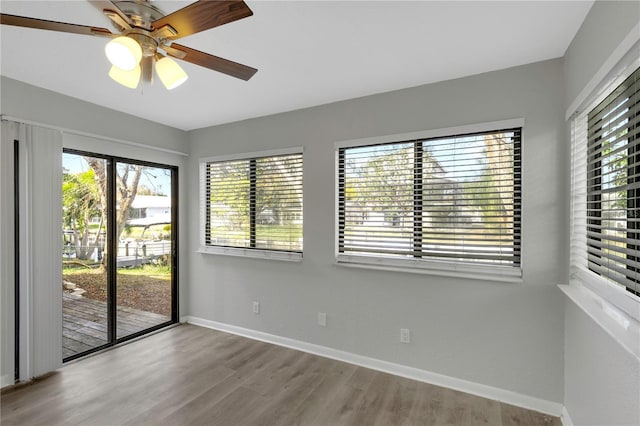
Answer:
(127, 189)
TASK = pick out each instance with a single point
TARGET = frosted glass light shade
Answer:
(170, 73)
(123, 52)
(129, 79)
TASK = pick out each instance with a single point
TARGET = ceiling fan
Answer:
(145, 32)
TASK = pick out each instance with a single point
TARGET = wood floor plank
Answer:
(190, 375)
(517, 416)
(169, 408)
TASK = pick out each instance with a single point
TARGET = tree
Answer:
(80, 203)
(277, 188)
(499, 154)
(127, 180)
(85, 198)
(384, 184)
(229, 204)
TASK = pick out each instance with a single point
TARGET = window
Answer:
(613, 186)
(434, 203)
(252, 206)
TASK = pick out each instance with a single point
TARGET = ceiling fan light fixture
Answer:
(128, 79)
(170, 73)
(124, 53)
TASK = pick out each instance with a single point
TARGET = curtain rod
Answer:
(91, 135)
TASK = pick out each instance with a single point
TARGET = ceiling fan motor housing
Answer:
(148, 44)
(141, 13)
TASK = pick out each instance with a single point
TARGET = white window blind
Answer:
(453, 199)
(578, 251)
(253, 203)
(612, 186)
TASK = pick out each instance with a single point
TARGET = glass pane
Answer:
(469, 197)
(228, 186)
(84, 275)
(278, 203)
(144, 239)
(455, 198)
(379, 200)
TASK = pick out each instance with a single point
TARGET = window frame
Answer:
(580, 274)
(425, 265)
(250, 252)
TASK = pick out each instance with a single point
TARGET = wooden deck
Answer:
(84, 323)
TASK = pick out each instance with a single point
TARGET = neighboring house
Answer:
(147, 210)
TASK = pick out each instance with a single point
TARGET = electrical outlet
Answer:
(256, 307)
(322, 319)
(405, 335)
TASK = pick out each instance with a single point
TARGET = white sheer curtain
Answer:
(40, 253)
(7, 255)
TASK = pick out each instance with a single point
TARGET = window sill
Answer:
(437, 268)
(252, 253)
(621, 327)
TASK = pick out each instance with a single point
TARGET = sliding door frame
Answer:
(16, 259)
(112, 245)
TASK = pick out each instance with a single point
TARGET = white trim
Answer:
(433, 133)
(423, 266)
(581, 276)
(239, 251)
(91, 135)
(611, 292)
(621, 327)
(433, 267)
(254, 253)
(565, 418)
(503, 395)
(619, 59)
(250, 155)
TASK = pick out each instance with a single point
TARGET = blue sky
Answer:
(156, 179)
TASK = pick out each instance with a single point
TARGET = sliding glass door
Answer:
(145, 262)
(85, 277)
(119, 238)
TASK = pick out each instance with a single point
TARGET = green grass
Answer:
(162, 272)
(150, 270)
(262, 232)
(135, 232)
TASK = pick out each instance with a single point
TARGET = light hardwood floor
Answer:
(190, 375)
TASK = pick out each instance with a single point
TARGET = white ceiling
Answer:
(307, 53)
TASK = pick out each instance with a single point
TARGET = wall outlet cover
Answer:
(322, 319)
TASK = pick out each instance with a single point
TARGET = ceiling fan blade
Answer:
(203, 15)
(117, 19)
(42, 24)
(173, 52)
(215, 63)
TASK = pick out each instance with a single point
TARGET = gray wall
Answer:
(602, 380)
(602, 385)
(28, 102)
(605, 26)
(509, 336)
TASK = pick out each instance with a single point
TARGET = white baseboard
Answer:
(502, 395)
(565, 418)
